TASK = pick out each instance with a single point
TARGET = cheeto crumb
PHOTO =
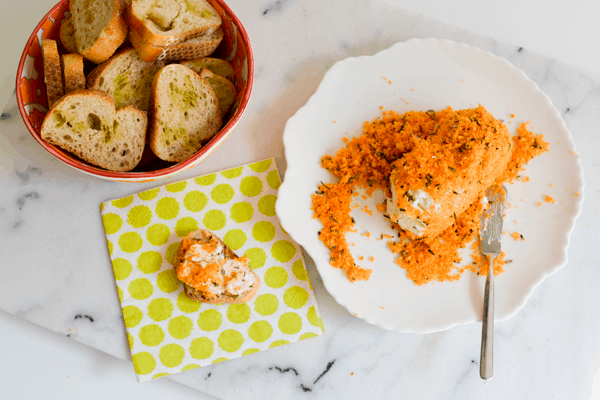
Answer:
(368, 161)
(539, 204)
(371, 258)
(516, 236)
(549, 199)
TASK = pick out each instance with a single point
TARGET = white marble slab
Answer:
(54, 264)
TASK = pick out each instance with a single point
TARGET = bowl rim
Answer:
(150, 175)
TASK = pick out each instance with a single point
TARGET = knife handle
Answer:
(486, 366)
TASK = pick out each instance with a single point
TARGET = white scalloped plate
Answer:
(431, 74)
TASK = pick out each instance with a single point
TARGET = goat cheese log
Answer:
(447, 171)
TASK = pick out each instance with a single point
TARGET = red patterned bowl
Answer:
(33, 104)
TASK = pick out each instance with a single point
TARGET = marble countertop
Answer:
(55, 270)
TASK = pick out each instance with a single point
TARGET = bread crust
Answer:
(72, 67)
(152, 39)
(52, 71)
(197, 295)
(66, 35)
(111, 37)
(175, 52)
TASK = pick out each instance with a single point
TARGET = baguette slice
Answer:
(52, 71)
(99, 27)
(162, 23)
(211, 272)
(85, 123)
(67, 37)
(72, 68)
(126, 78)
(198, 47)
(215, 65)
(185, 113)
(223, 88)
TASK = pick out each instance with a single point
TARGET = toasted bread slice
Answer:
(52, 71)
(211, 272)
(72, 68)
(162, 23)
(223, 88)
(185, 113)
(126, 78)
(67, 37)
(215, 65)
(99, 27)
(198, 47)
(85, 123)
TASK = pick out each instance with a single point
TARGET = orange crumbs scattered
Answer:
(516, 236)
(371, 258)
(549, 199)
(366, 161)
(526, 179)
(576, 194)
(539, 204)
(331, 205)
(361, 258)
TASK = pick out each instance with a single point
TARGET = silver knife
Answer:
(490, 234)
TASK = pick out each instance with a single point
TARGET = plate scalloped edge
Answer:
(283, 201)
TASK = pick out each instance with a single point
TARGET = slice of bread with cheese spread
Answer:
(212, 272)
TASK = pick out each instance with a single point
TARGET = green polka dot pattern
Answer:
(170, 333)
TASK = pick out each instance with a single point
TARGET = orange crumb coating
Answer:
(466, 151)
(366, 161)
(331, 205)
(526, 146)
(201, 276)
